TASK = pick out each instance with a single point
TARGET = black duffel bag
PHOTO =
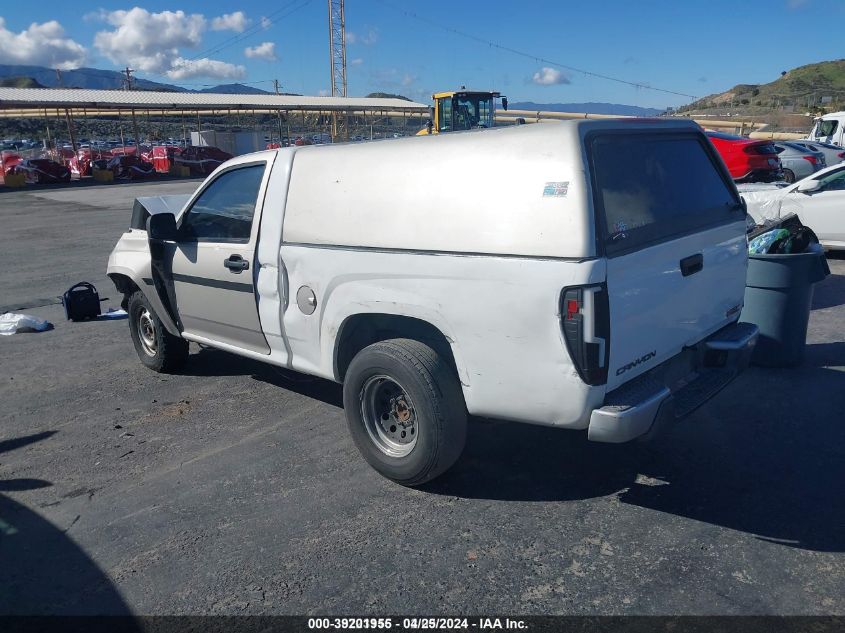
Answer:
(81, 301)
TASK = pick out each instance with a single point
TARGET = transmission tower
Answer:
(337, 47)
(337, 55)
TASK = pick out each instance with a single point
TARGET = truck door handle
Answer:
(236, 264)
(692, 264)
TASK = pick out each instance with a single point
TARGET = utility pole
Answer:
(47, 125)
(68, 118)
(337, 58)
(129, 72)
(276, 87)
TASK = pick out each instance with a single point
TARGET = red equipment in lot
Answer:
(80, 164)
(202, 160)
(41, 170)
(163, 157)
(130, 167)
(747, 160)
(10, 160)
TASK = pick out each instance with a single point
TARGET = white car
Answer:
(818, 201)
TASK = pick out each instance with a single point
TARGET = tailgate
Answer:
(656, 310)
(674, 235)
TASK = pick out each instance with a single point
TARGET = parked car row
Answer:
(750, 160)
(747, 160)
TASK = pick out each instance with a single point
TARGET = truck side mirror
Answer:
(808, 186)
(161, 226)
(505, 104)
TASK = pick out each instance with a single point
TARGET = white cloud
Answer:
(236, 22)
(191, 68)
(356, 62)
(150, 42)
(392, 79)
(41, 45)
(323, 93)
(265, 51)
(549, 77)
(266, 23)
(368, 39)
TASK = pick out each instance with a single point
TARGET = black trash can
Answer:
(778, 295)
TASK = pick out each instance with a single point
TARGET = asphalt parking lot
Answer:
(234, 488)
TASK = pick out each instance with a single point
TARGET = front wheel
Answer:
(789, 175)
(405, 410)
(157, 348)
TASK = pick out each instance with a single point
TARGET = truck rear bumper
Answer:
(675, 388)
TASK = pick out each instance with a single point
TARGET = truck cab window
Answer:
(223, 212)
(445, 114)
(826, 128)
(473, 111)
(466, 114)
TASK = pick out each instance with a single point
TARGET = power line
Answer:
(262, 25)
(536, 58)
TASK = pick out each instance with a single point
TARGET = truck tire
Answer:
(157, 348)
(405, 410)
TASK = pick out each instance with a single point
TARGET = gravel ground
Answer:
(234, 488)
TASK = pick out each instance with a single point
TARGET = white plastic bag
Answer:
(11, 322)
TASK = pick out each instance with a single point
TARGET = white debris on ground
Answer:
(14, 323)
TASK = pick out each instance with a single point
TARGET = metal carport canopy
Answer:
(75, 98)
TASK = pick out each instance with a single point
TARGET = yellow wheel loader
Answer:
(462, 110)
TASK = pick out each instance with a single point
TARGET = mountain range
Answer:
(618, 109)
(96, 78)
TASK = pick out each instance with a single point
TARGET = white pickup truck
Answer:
(585, 275)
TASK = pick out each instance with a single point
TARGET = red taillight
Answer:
(841, 154)
(813, 160)
(585, 313)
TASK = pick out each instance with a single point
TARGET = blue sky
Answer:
(690, 48)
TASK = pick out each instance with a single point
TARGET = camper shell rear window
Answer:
(650, 187)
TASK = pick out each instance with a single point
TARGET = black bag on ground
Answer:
(81, 301)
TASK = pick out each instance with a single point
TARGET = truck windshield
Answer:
(652, 187)
(472, 111)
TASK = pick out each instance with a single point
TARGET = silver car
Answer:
(798, 162)
(833, 154)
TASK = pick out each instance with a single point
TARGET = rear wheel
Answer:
(788, 175)
(405, 410)
(157, 348)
